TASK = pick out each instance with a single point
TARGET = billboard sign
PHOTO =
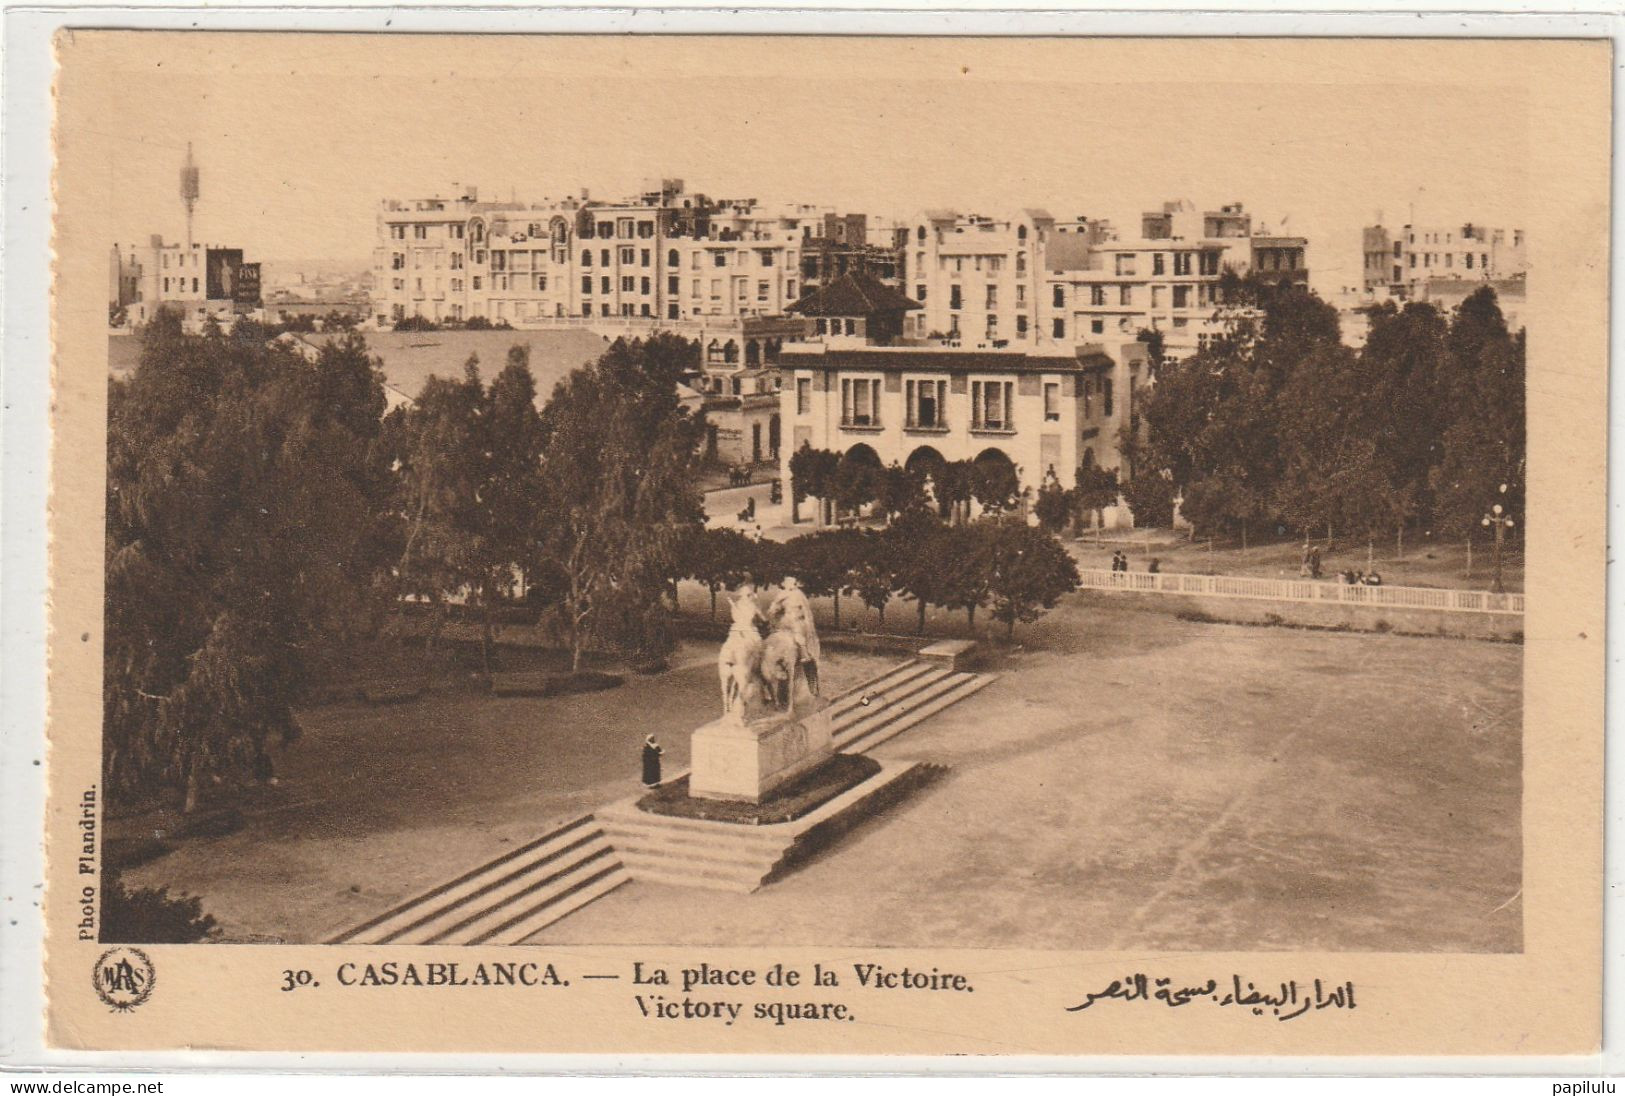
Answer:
(247, 290)
(220, 268)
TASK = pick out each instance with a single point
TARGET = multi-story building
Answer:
(194, 281)
(1403, 260)
(978, 277)
(857, 386)
(1033, 280)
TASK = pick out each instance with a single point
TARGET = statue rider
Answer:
(791, 611)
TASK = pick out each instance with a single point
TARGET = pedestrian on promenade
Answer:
(651, 762)
(1314, 563)
(1154, 566)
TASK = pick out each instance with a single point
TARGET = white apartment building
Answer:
(978, 277)
(666, 257)
(194, 281)
(1029, 280)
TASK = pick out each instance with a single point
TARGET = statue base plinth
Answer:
(744, 761)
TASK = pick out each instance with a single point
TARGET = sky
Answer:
(298, 138)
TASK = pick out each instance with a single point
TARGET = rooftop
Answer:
(853, 294)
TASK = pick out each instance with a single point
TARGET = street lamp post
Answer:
(1498, 520)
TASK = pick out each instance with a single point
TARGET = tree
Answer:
(874, 577)
(995, 485)
(249, 527)
(953, 483)
(1028, 571)
(963, 568)
(1096, 489)
(1054, 505)
(718, 558)
(900, 490)
(914, 539)
(856, 482)
(416, 323)
(812, 475)
(620, 462)
(1485, 443)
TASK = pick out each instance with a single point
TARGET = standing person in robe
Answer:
(651, 762)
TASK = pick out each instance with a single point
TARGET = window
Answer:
(194, 285)
(457, 260)
(1182, 262)
(919, 293)
(954, 298)
(673, 259)
(761, 291)
(1125, 266)
(926, 399)
(1097, 296)
(1157, 263)
(455, 231)
(397, 261)
(476, 281)
(767, 258)
(1106, 396)
(993, 296)
(1182, 296)
(716, 289)
(1413, 260)
(1125, 294)
(420, 232)
(1021, 294)
(396, 231)
(991, 405)
(1088, 395)
(803, 395)
(603, 256)
(643, 257)
(694, 288)
(1159, 296)
(1052, 401)
(790, 289)
(541, 283)
(860, 401)
(1021, 327)
(586, 283)
(646, 229)
(1469, 258)
(1058, 328)
(674, 285)
(992, 326)
(499, 260)
(720, 258)
(1210, 263)
(1060, 296)
(628, 283)
(624, 228)
(698, 261)
(603, 286)
(627, 255)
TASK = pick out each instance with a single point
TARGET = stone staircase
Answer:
(691, 852)
(529, 888)
(507, 899)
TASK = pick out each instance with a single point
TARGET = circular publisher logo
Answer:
(123, 978)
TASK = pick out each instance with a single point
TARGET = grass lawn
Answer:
(1136, 781)
(377, 804)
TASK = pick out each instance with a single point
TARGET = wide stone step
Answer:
(527, 901)
(512, 886)
(671, 874)
(905, 694)
(628, 816)
(557, 908)
(471, 885)
(651, 841)
(903, 721)
(889, 682)
(924, 692)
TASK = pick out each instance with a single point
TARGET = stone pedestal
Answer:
(745, 759)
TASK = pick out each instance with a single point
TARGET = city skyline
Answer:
(1077, 144)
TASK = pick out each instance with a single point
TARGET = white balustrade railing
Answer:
(1297, 589)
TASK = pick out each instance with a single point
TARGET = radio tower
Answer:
(189, 191)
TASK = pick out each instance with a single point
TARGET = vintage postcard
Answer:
(827, 546)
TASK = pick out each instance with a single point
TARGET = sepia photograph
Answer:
(1044, 517)
(582, 539)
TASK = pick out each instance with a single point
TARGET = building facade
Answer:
(196, 282)
(1045, 411)
(1401, 261)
